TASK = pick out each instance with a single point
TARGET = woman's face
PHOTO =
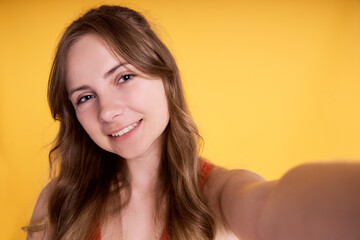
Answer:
(123, 110)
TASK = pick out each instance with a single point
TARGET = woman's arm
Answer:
(312, 201)
(235, 197)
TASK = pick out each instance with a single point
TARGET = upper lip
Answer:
(121, 128)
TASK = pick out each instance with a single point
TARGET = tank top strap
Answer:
(98, 232)
(205, 169)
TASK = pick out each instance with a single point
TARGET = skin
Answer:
(314, 201)
(108, 95)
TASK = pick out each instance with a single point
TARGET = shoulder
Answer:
(37, 227)
(219, 177)
(40, 210)
(216, 192)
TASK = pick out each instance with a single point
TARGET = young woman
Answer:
(127, 162)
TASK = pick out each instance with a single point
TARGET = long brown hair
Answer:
(86, 173)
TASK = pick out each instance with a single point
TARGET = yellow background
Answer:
(271, 84)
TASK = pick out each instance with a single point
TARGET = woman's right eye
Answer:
(84, 99)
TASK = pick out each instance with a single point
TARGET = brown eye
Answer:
(125, 78)
(84, 99)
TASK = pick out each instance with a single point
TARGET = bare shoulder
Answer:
(40, 214)
(40, 210)
(220, 176)
(213, 191)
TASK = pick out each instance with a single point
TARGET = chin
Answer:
(140, 152)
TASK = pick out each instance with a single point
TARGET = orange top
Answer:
(205, 169)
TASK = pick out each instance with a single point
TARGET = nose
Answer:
(110, 108)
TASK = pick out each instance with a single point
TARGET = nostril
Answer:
(116, 115)
(108, 116)
(110, 110)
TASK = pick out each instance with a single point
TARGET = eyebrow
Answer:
(107, 74)
(112, 70)
(78, 89)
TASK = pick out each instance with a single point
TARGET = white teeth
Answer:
(125, 130)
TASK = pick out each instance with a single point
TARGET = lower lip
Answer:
(128, 134)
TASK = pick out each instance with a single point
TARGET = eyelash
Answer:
(123, 78)
(84, 99)
(128, 76)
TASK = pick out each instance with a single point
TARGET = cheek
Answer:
(160, 105)
(157, 101)
(148, 96)
(85, 119)
(164, 106)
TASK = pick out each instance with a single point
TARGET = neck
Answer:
(143, 173)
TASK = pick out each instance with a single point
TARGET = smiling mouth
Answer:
(126, 129)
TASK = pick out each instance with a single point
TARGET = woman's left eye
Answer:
(125, 78)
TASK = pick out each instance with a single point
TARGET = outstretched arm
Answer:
(312, 201)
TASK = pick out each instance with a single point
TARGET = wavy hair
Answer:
(86, 174)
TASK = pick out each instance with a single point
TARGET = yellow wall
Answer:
(271, 84)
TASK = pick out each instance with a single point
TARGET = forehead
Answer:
(89, 56)
(90, 48)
